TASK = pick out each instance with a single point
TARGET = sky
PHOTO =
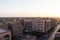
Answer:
(29, 8)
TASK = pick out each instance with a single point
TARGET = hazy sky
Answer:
(37, 8)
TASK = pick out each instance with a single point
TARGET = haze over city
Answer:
(29, 8)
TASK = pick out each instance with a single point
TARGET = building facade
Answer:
(5, 34)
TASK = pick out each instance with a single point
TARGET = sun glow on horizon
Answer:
(29, 8)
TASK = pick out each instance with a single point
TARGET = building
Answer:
(29, 37)
(43, 25)
(27, 24)
(12, 24)
(39, 24)
(48, 25)
(5, 34)
(16, 28)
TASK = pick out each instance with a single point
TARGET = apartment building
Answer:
(14, 25)
(39, 24)
(28, 25)
(43, 25)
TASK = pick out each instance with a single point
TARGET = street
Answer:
(53, 34)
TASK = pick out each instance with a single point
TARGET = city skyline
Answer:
(29, 8)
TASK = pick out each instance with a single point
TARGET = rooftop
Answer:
(3, 30)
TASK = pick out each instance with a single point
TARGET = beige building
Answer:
(39, 24)
(43, 25)
(5, 34)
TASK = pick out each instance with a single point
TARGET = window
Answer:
(40, 24)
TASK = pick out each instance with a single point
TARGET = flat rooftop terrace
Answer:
(3, 30)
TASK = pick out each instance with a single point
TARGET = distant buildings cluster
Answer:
(27, 24)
